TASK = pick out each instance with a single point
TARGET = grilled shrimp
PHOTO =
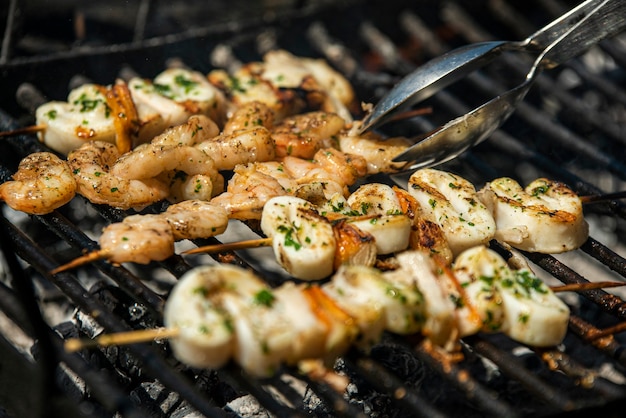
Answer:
(193, 219)
(515, 302)
(149, 160)
(43, 182)
(389, 225)
(138, 239)
(247, 192)
(85, 116)
(240, 147)
(378, 152)
(90, 165)
(452, 203)
(545, 217)
(196, 129)
(303, 241)
(334, 169)
(249, 115)
(304, 134)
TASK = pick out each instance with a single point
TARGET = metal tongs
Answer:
(556, 43)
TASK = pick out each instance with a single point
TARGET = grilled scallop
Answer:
(388, 224)
(451, 202)
(545, 217)
(303, 241)
(206, 336)
(515, 302)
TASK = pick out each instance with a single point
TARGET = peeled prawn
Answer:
(378, 152)
(240, 147)
(90, 165)
(545, 217)
(138, 239)
(42, 183)
(195, 219)
(304, 134)
(247, 192)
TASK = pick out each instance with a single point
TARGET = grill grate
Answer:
(569, 128)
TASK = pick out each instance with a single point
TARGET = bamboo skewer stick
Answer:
(25, 130)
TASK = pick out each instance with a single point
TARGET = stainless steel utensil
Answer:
(569, 36)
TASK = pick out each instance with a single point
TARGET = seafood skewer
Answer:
(221, 312)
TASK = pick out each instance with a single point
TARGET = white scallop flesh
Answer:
(206, 337)
(545, 217)
(84, 117)
(390, 227)
(439, 310)
(303, 241)
(476, 270)
(451, 202)
(377, 301)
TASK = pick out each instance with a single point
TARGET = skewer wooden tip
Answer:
(603, 197)
(241, 245)
(25, 130)
(84, 259)
(121, 338)
(579, 287)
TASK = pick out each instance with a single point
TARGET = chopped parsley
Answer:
(264, 297)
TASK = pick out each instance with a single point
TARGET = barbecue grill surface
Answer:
(570, 128)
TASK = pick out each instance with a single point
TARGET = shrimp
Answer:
(240, 147)
(196, 129)
(42, 183)
(90, 165)
(249, 115)
(247, 192)
(334, 169)
(451, 202)
(303, 240)
(378, 152)
(545, 217)
(304, 134)
(138, 239)
(149, 160)
(193, 219)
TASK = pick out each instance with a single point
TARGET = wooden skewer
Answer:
(121, 338)
(25, 130)
(240, 245)
(603, 197)
(84, 259)
(579, 287)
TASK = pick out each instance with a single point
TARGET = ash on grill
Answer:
(571, 128)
